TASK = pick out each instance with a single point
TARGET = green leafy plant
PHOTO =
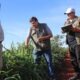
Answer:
(19, 65)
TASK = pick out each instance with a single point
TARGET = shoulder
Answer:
(43, 24)
(77, 19)
(30, 30)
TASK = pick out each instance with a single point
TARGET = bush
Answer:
(18, 62)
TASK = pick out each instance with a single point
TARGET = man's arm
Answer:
(75, 29)
(76, 26)
(28, 38)
(45, 38)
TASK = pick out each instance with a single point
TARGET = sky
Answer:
(15, 15)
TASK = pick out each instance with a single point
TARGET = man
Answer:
(73, 40)
(1, 40)
(40, 35)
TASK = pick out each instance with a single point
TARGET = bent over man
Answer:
(40, 35)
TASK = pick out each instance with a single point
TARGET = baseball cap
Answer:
(69, 10)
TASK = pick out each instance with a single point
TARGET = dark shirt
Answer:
(70, 38)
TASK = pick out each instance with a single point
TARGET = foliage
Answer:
(19, 65)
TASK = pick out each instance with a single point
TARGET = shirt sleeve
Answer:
(48, 30)
(1, 33)
(30, 31)
(77, 23)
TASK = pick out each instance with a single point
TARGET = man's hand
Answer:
(75, 29)
(43, 38)
(40, 39)
(26, 45)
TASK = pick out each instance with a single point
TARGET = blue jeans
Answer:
(48, 57)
